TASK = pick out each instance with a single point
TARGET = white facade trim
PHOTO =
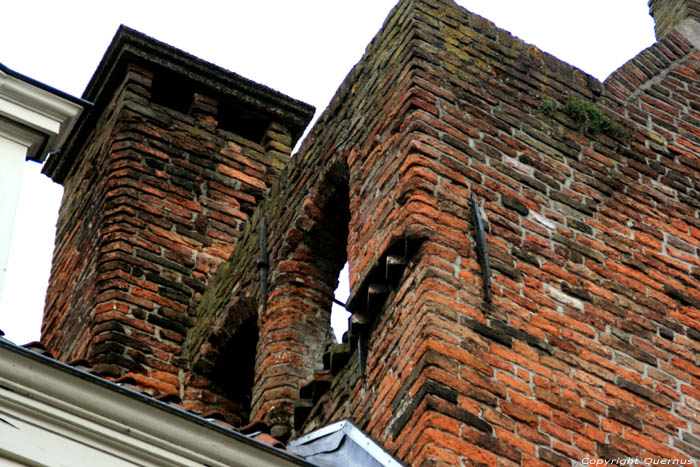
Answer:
(51, 412)
(51, 116)
(34, 121)
(12, 156)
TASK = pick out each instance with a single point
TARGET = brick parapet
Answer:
(308, 215)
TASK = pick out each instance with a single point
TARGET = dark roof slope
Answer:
(43, 359)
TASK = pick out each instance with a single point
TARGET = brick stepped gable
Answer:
(590, 345)
(159, 181)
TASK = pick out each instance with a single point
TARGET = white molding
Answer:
(49, 115)
(20, 134)
(12, 154)
(34, 121)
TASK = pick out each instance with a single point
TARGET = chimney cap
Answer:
(132, 47)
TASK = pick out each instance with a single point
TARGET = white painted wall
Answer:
(12, 156)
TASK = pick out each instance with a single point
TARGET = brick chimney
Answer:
(159, 181)
(670, 14)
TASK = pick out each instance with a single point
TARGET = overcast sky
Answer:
(303, 48)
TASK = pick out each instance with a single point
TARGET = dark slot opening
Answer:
(172, 91)
(236, 119)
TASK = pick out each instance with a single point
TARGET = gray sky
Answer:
(303, 48)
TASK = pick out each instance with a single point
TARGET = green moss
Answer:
(591, 119)
(548, 107)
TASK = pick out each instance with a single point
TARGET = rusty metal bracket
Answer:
(338, 302)
(482, 248)
(359, 325)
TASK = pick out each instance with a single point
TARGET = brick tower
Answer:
(671, 14)
(159, 179)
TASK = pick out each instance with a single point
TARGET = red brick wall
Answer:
(589, 347)
(308, 216)
(156, 200)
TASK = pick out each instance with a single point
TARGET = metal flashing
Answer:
(342, 444)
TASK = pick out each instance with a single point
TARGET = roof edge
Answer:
(55, 383)
(45, 87)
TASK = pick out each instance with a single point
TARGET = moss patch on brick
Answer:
(548, 107)
(590, 119)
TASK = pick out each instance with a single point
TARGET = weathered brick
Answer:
(587, 346)
(131, 224)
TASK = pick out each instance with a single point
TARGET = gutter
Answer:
(63, 95)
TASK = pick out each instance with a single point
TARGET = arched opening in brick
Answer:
(339, 315)
(295, 330)
(329, 238)
(234, 372)
(324, 249)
